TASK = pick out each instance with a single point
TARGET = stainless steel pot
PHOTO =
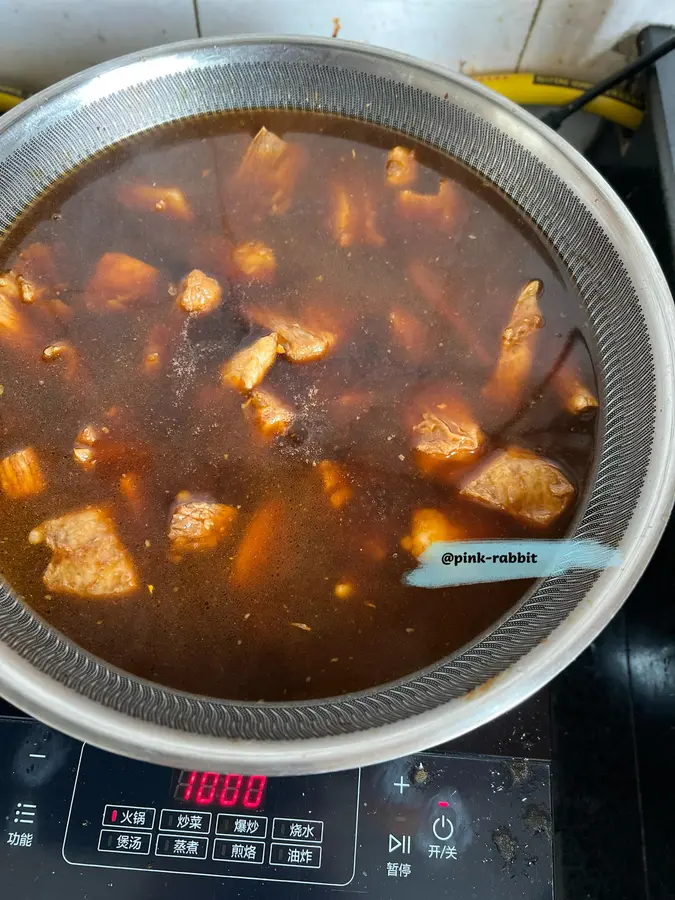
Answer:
(632, 321)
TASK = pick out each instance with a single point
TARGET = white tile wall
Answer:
(42, 41)
(480, 35)
(576, 37)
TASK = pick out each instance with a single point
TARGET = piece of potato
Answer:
(171, 202)
(119, 279)
(21, 475)
(509, 379)
(522, 484)
(247, 368)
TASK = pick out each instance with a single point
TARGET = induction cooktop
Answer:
(468, 820)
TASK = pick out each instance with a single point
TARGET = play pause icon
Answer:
(402, 843)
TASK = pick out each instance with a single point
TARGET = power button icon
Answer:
(443, 828)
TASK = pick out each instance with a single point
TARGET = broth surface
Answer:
(189, 625)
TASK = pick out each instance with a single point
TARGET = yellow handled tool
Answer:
(9, 97)
(551, 90)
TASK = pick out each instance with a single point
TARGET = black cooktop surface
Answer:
(613, 710)
(469, 820)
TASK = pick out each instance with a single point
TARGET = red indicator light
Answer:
(443, 803)
(113, 815)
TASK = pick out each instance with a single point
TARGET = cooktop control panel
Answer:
(76, 822)
(206, 823)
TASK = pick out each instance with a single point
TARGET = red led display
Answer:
(215, 789)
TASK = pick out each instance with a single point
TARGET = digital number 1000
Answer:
(216, 789)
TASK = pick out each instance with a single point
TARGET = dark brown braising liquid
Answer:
(191, 630)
